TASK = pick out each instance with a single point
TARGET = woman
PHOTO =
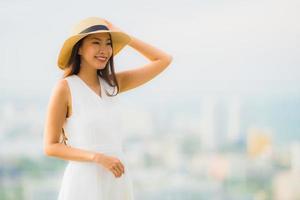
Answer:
(79, 110)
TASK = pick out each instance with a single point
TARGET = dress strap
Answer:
(75, 93)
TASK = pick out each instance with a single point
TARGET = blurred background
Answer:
(221, 122)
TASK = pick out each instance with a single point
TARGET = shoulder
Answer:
(61, 91)
(61, 86)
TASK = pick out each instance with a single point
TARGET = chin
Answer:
(100, 67)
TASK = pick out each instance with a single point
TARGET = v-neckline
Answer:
(91, 90)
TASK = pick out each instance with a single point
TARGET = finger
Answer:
(120, 170)
(123, 168)
(113, 169)
(109, 23)
(116, 170)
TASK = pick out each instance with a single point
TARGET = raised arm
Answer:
(159, 60)
(133, 78)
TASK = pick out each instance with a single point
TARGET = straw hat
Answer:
(86, 27)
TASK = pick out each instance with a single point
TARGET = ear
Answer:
(79, 51)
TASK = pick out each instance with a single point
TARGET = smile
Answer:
(101, 58)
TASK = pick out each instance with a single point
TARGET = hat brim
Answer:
(119, 41)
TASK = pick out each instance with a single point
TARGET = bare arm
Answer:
(133, 78)
(56, 113)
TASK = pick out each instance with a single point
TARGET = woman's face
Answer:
(95, 50)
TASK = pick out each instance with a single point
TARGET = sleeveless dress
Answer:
(92, 126)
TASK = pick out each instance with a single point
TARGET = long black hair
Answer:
(108, 73)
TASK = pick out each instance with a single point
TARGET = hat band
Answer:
(94, 28)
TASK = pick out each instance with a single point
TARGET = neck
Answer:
(89, 75)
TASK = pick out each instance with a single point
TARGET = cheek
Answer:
(88, 52)
(110, 51)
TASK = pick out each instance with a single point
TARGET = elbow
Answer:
(168, 59)
(48, 150)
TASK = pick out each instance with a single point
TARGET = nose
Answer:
(104, 48)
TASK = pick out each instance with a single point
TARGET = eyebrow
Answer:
(99, 38)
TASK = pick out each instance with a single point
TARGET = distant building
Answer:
(207, 123)
(295, 157)
(286, 186)
(233, 131)
(259, 142)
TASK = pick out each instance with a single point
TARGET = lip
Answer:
(100, 58)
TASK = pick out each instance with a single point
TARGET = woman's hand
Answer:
(111, 163)
(113, 27)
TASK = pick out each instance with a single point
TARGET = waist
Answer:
(102, 148)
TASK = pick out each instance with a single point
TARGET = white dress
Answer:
(92, 126)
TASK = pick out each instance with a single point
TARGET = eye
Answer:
(109, 43)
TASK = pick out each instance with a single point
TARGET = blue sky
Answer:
(232, 46)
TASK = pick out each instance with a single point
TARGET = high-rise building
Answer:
(259, 142)
(233, 130)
